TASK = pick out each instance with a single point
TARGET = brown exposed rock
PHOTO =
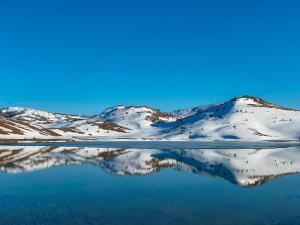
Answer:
(262, 103)
(112, 127)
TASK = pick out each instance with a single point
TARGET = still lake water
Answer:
(111, 185)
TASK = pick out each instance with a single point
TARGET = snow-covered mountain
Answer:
(243, 118)
(40, 117)
(63, 125)
(134, 117)
(245, 167)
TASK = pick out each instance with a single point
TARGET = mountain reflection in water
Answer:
(245, 167)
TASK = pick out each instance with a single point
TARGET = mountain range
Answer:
(242, 118)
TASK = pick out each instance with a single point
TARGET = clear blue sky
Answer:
(83, 56)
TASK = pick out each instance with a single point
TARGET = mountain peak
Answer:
(249, 98)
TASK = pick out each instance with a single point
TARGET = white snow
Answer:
(245, 118)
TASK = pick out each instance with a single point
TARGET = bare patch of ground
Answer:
(255, 132)
(112, 127)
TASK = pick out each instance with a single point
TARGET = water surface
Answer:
(105, 185)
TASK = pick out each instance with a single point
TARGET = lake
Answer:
(150, 183)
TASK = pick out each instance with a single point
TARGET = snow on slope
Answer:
(245, 167)
(62, 124)
(134, 117)
(14, 129)
(192, 111)
(247, 118)
(44, 118)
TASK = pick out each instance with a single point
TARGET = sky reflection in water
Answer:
(82, 185)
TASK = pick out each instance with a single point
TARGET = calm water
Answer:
(88, 185)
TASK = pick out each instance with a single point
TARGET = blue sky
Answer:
(83, 56)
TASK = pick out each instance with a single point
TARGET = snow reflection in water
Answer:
(245, 167)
